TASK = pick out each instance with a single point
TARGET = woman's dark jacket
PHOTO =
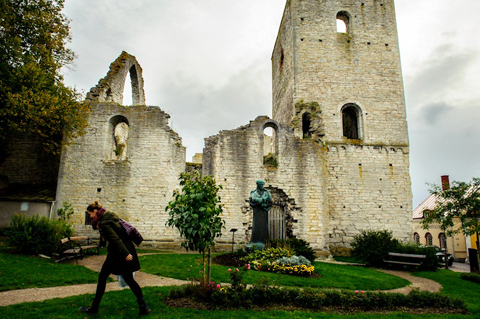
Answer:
(119, 245)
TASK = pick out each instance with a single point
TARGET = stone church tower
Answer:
(340, 138)
(343, 55)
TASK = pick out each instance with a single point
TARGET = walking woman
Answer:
(121, 258)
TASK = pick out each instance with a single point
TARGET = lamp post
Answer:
(233, 230)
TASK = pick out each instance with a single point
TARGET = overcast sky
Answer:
(207, 64)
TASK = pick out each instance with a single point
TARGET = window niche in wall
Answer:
(270, 145)
(118, 138)
(343, 22)
(351, 121)
(307, 125)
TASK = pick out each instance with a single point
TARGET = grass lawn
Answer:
(17, 271)
(20, 271)
(188, 266)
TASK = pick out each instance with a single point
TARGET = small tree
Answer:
(461, 200)
(195, 212)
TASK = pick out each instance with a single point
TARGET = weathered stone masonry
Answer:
(137, 184)
(340, 147)
(342, 184)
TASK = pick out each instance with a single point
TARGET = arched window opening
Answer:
(416, 238)
(343, 21)
(307, 125)
(442, 240)
(350, 119)
(118, 138)
(269, 145)
(428, 239)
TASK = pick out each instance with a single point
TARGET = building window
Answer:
(350, 121)
(270, 145)
(307, 125)
(343, 22)
(428, 239)
(416, 238)
(442, 240)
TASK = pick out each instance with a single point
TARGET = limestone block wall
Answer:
(235, 158)
(368, 189)
(361, 66)
(137, 187)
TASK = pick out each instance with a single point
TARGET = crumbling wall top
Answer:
(111, 87)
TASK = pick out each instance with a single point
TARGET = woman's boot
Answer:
(92, 309)
(144, 309)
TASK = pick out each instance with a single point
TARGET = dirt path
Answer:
(145, 280)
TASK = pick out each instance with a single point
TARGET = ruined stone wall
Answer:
(235, 158)
(137, 187)
(369, 189)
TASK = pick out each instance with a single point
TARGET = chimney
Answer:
(445, 182)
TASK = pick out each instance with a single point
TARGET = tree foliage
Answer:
(195, 211)
(33, 97)
(461, 200)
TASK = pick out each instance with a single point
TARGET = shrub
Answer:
(268, 254)
(471, 277)
(35, 235)
(293, 261)
(372, 246)
(299, 246)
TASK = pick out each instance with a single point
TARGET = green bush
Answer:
(268, 254)
(299, 246)
(293, 261)
(264, 293)
(37, 235)
(471, 277)
(373, 246)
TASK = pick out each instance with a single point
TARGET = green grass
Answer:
(122, 304)
(454, 285)
(188, 266)
(20, 271)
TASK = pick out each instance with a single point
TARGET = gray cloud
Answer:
(432, 113)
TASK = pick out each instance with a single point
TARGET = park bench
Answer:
(74, 247)
(405, 259)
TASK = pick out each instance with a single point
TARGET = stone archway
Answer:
(280, 217)
(111, 87)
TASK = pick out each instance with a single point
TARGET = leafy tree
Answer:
(33, 98)
(461, 200)
(195, 212)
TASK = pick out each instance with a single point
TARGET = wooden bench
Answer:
(74, 247)
(405, 259)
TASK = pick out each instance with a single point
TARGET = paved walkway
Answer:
(145, 280)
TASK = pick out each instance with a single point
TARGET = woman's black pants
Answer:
(102, 284)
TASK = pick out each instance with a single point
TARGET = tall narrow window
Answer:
(416, 238)
(343, 22)
(428, 239)
(269, 145)
(442, 240)
(350, 121)
(307, 125)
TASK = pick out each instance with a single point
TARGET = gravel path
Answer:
(144, 280)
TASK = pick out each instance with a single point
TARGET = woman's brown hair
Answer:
(94, 206)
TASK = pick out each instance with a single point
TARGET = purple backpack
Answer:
(132, 232)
